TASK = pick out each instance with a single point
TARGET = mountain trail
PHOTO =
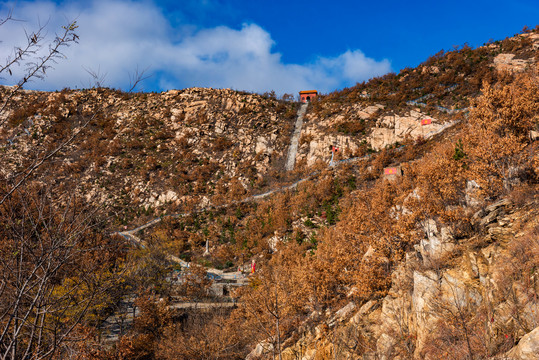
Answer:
(293, 149)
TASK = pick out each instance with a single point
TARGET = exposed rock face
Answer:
(424, 291)
(262, 146)
(507, 62)
(316, 140)
(527, 348)
(320, 149)
(392, 129)
(437, 242)
(425, 296)
(263, 348)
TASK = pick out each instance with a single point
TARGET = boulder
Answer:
(425, 290)
(437, 243)
(384, 346)
(527, 348)
(507, 62)
(261, 349)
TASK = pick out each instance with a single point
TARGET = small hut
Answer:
(307, 95)
(391, 173)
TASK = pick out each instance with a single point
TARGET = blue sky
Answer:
(257, 45)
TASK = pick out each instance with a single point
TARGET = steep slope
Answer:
(440, 262)
(145, 152)
(474, 299)
(390, 109)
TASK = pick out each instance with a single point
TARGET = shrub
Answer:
(222, 143)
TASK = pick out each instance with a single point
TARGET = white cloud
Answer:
(118, 36)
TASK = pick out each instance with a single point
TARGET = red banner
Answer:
(426, 122)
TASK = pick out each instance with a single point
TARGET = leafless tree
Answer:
(97, 78)
(273, 306)
(35, 61)
(136, 78)
(53, 271)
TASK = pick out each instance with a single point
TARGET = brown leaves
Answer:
(498, 133)
(196, 283)
(56, 270)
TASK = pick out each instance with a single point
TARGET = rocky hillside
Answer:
(482, 290)
(177, 149)
(437, 259)
(390, 109)
(140, 153)
(465, 285)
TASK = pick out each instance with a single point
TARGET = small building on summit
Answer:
(307, 95)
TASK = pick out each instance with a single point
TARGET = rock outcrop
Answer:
(157, 151)
(431, 295)
(395, 128)
(527, 348)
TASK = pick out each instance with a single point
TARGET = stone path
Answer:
(121, 321)
(238, 276)
(293, 149)
(131, 237)
(202, 305)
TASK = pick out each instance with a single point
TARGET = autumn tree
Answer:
(196, 284)
(214, 334)
(56, 268)
(274, 302)
(499, 129)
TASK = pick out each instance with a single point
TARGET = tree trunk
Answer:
(278, 338)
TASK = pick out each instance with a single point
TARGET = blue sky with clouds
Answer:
(257, 45)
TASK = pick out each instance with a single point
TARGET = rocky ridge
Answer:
(438, 287)
(159, 151)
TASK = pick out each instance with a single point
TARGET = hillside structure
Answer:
(391, 173)
(307, 95)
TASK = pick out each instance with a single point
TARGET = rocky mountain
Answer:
(148, 152)
(419, 241)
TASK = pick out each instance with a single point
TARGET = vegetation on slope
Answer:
(379, 223)
(339, 237)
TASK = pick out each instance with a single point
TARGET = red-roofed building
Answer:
(307, 95)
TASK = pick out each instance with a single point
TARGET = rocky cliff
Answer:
(461, 301)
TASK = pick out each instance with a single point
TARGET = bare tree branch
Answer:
(97, 78)
(36, 68)
(137, 77)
